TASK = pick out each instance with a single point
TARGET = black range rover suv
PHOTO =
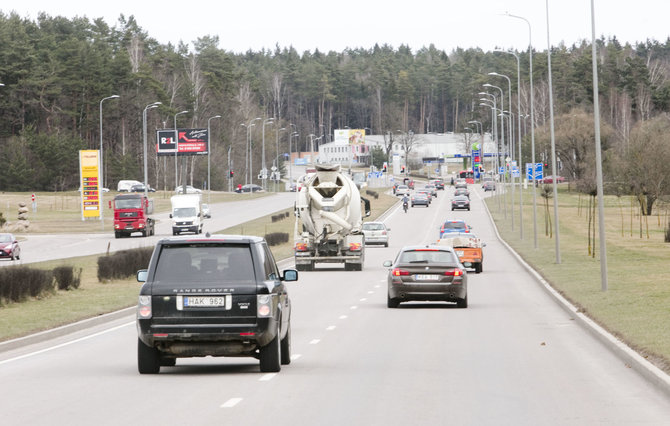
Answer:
(221, 295)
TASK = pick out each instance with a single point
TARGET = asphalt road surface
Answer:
(41, 247)
(512, 357)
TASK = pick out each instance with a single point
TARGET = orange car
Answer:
(468, 248)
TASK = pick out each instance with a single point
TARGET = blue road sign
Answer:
(538, 171)
(501, 171)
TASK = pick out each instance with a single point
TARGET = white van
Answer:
(186, 214)
(125, 185)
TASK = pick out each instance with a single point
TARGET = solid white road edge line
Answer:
(71, 342)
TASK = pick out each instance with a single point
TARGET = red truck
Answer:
(131, 214)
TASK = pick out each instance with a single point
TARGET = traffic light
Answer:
(231, 174)
(402, 169)
(384, 168)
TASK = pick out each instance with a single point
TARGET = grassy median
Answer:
(635, 306)
(93, 298)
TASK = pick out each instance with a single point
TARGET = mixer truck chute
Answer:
(329, 218)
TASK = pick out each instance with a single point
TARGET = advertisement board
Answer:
(89, 173)
(189, 142)
(350, 136)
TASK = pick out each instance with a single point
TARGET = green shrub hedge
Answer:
(17, 283)
(276, 238)
(123, 264)
(67, 278)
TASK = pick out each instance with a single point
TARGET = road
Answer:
(41, 247)
(512, 357)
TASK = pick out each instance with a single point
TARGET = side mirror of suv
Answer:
(290, 275)
(142, 275)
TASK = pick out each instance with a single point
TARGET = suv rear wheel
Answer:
(285, 347)
(270, 356)
(148, 359)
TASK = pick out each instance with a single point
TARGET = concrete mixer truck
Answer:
(329, 218)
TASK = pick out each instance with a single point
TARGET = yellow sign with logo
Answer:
(89, 171)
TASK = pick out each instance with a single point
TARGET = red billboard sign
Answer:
(189, 142)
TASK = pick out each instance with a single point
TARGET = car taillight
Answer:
(264, 306)
(454, 272)
(300, 247)
(144, 307)
(383, 232)
(355, 246)
(398, 272)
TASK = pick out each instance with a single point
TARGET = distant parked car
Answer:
(140, 188)
(250, 187)
(9, 247)
(189, 190)
(550, 179)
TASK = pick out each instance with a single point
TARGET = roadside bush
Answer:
(123, 264)
(667, 234)
(280, 216)
(17, 283)
(67, 278)
(374, 194)
(2, 220)
(276, 238)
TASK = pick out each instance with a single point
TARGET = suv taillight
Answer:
(264, 305)
(144, 307)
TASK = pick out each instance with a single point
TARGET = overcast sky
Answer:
(310, 24)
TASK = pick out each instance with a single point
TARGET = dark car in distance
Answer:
(460, 202)
(426, 273)
(250, 187)
(489, 185)
(221, 295)
(9, 247)
(420, 199)
(140, 188)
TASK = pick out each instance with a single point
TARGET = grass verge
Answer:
(635, 306)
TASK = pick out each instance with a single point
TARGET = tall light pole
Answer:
(557, 237)
(479, 128)
(532, 125)
(102, 164)
(276, 162)
(494, 124)
(264, 170)
(502, 137)
(518, 114)
(249, 159)
(511, 139)
(176, 151)
(144, 126)
(599, 166)
(209, 155)
(290, 140)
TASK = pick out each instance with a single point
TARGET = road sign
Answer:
(538, 171)
(516, 172)
(501, 171)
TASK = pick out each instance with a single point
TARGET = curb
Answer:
(630, 357)
(65, 329)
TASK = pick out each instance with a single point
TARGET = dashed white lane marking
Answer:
(231, 403)
(315, 341)
(294, 357)
(371, 292)
(377, 286)
(331, 328)
(381, 281)
(267, 377)
(343, 317)
(354, 307)
(363, 299)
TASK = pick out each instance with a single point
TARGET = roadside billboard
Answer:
(350, 136)
(189, 142)
(89, 178)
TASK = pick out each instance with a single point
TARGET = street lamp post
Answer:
(494, 124)
(532, 125)
(102, 164)
(176, 150)
(557, 237)
(144, 126)
(290, 152)
(249, 160)
(276, 171)
(264, 170)
(209, 155)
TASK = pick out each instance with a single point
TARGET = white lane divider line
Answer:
(378, 286)
(267, 377)
(363, 299)
(343, 317)
(231, 403)
(71, 342)
(296, 356)
(331, 328)
(371, 292)
(315, 341)
(354, 307)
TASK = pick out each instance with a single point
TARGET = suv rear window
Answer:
(199, 263)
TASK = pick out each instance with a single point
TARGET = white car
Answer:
(189, 190)
(376, 233)
(205, 211)
(402, 190)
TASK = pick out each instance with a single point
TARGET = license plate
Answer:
(459, 253)
(219, 301)
(426, 277)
